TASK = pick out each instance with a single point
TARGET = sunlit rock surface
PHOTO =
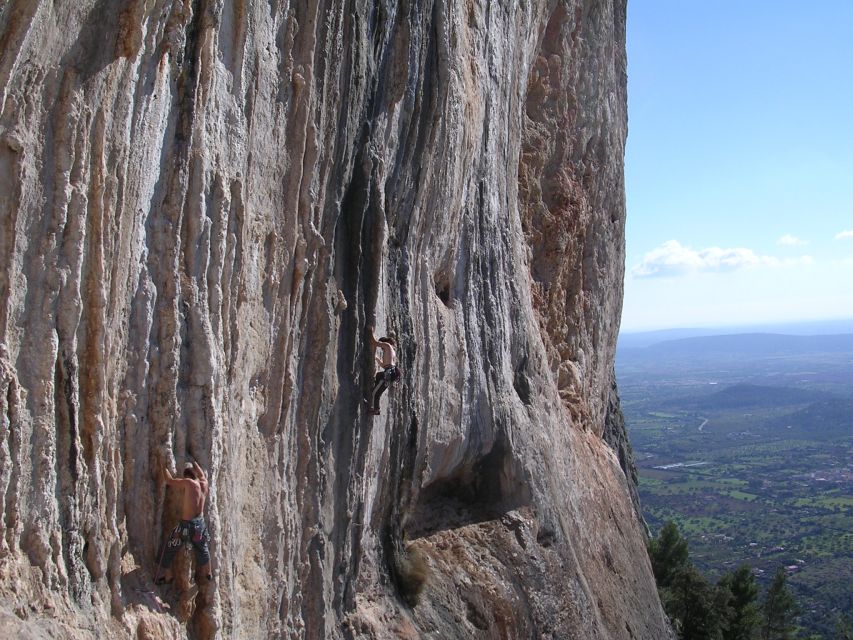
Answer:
(204, 203)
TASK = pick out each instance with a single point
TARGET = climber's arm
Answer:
(373, 343)
(171, 480)
(202, 479)
(168, 478)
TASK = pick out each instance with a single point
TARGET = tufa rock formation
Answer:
(204, 203)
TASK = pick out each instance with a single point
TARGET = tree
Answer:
(723, 605)
(668, 553)
(742, 616)
(690, 602)
(780, 609)
(843, 628)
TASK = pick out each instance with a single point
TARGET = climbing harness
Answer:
(190, 532)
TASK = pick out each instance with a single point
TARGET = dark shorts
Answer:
(389, 375)
(383, 380)
(193, 531)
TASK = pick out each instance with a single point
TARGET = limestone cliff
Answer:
(204, 203)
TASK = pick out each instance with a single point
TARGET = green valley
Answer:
(745, 442)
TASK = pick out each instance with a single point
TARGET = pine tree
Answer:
(780, 609)
(844, 628)
(690, 602)
(743, 616)
(724, 605)
(668, 553)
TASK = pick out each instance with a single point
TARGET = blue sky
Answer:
(739, 164)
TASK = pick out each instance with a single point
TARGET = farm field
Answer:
(745, 441)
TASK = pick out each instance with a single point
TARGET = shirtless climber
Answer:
(386, 358)
(191, 527)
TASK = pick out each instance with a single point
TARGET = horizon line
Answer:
(740, 325)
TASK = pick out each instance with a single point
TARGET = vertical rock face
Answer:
(204, 203)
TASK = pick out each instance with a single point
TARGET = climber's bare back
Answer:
(195, 489)
(194, 495)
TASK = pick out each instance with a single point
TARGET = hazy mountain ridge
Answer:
(630, 339)
(743, 345)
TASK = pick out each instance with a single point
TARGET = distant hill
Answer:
(742, 396)
(639, 339)
(648, 338)
(826, 419)
(752, 345)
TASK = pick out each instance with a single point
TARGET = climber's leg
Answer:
(378, 390)
(200, 540)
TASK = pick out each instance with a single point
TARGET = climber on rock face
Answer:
(191, 527)
(386, 358)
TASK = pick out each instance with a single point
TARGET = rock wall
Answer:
(204, 203)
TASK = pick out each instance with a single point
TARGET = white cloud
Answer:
(673, 259)
(790, 241)
(844, 235)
